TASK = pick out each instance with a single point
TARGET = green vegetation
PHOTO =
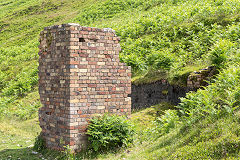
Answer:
(39, 144)
(207, 138)
(16, 138)
(20, 24)
(219, 98)
(160, 39)
(109, 132)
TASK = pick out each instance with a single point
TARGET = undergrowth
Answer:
(109, 132)
(160, 40)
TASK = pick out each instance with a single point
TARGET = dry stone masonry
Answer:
(199, 78)
(80, 75)
(147, 95)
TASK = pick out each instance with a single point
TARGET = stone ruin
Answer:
(80, 76)
(161, 91)
(198, 79)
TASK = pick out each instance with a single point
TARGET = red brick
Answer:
(92, 48)
(92, 85)
(92, 63)
(83, 55)
(121, 71)
(91, 74)
(83, 32)
(108, 56)
(74, 55)
(74, 62)
(82, 66)
(72, 143)
(102, 93)
(83, 116)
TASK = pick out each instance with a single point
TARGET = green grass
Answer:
(21, 23)
(149, 76)
(17, 138)
(18, 133)
(205, 139)
(178, 78)
(160, 40)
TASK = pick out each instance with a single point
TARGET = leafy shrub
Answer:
(107, 132)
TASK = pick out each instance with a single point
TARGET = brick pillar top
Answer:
(80, 75)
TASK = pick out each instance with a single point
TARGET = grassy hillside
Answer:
(20, 25)
(159, 39)
(210, 138)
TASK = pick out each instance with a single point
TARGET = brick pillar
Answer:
(80, 75)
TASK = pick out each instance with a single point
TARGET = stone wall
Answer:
(80, 75)
(200, 78)
(147, 95)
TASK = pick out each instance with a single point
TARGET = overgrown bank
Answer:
(160, 40)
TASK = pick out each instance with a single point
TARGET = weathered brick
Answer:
(79, 77)
(100, 63)
(82, 70)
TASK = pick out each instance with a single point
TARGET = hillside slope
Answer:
(175, 37)
(159, 39)
(20, 25)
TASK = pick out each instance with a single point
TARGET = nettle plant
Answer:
(109, 131)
